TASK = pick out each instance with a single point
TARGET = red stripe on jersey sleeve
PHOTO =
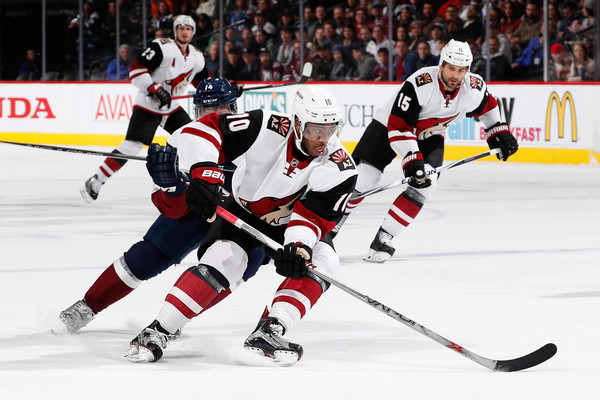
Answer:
(324, 225)
(135, 65)
(396, 123)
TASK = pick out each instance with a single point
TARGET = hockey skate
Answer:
(267, 341)
(149, 344)
(77, 316)
(380, 250)
(90, 189)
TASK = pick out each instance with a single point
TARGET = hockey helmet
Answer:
(214, 93)
(315, 105)
(456, 53)
(184, 20)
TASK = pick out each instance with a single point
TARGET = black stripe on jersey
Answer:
(482, 105)
(151, 57)
(239, 132)
(321, 203)
(407, 105)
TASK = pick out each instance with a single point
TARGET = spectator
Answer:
(381, 71)
(331, 37)
(163, 19)
(402, 33)
(560, 63)
(406, 16)
(341, 70)
(233, 65)
(260, 22)
(286, 21)
(451, 14)
(264, 41)
(124, 60)
(587, 21)
(529, 62)
(360, 19)
(251, 66)
(377, 17)
(500, 68)
(505, 46)
(339, 17)
(317, 40)
(249, 41)
(270, 70)
(415, 32)
(92, 26)
(212, 61)
(509, 22)
(321, 15)
(529, 27)
(401, 51)
(430, 17)
(286, 49)
(366, 38)
(570, 16)
(348, 40)
(109, 25)
(583, 67)
(294, 69)
(29, 70)
(365, 63)
(322, 63)
(452, 29)
(310, 21)
(380, 39)
(238, 17)
(266, 8)
(160, 34)
(204, 32)
(436, 36)
(419, 59)
(473, 28)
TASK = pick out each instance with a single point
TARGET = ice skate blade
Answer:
(86, 196)
(281, 358)
(141, 354)
(377, 256)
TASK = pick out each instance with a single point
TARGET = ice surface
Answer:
(504, 259)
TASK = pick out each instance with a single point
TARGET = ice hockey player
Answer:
(413, 125)
(292, 182)
(163, 70)
(168, 240)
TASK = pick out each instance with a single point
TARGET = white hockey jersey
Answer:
(165, 63)
(422, 108)
(273, 180)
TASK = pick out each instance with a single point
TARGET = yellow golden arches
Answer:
(561, 105)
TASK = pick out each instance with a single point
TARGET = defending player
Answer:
(413, 124)
(168, 240)
(163, 70)
(292, 183)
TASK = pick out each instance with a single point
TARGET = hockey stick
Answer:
(306, 73)
(516, 364)
(87, 152)
(433, 171)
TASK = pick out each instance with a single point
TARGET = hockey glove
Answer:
(499, 137)
(414, 167)
(163, 167)
(238, 87)
(162, 97)
(204, 193)
(290, 261)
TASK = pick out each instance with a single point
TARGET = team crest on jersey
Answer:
(424, 79)
(279, 124)
(342, 160)
(428, 127)
(273, 210)
(181, 81)
(476, 83)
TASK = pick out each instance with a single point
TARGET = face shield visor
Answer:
(201, 112)
(320, 132)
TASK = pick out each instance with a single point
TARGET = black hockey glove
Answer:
(163, 167)
(162, 97)
(290, 261)
(414, 166)
(499, 137)
(238, 87)
(204, 193)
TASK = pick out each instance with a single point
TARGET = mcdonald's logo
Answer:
(561, 106)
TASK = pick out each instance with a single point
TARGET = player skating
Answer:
(168, 240)
(413, 124)
(292, 183)
(163, 70)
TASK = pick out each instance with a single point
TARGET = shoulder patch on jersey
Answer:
(476, 83)
(342, 160)
(279, 124)
(423, 79)
(165, 40)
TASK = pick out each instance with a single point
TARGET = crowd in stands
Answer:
(349, 40)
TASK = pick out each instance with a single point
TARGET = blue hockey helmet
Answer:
(213, 95)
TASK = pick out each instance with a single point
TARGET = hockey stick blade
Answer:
(537, 357)
(430, 172)
(517, 364)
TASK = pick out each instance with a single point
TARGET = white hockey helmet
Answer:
(315, 105)
(184, 20)
(456, 53)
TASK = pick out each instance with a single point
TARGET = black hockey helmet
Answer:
(214, 93)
